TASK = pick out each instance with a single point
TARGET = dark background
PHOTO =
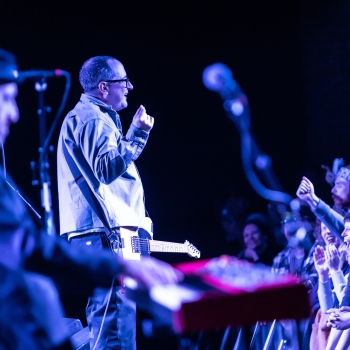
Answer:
(291, 59)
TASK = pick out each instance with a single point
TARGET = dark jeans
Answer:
(115, 328)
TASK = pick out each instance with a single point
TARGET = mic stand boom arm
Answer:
(218, 77)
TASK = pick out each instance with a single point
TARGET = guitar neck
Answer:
(168, 247)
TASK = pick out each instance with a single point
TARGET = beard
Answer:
(340, 206)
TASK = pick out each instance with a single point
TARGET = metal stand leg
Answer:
(256, 331)
(270, 335)
(238, 341)
(281, 344)
(224, 338)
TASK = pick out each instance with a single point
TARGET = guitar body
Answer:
(127, 250)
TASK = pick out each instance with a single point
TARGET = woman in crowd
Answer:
(332, 267)
(258, 241)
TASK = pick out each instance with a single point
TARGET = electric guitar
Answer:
(136, 243)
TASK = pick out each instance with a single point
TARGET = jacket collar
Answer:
(111, 112)
(91, 99)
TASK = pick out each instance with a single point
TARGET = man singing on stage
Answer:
(92, 145)
(32, 317)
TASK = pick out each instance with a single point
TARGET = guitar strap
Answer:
(79, 179)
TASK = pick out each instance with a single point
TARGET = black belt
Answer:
(111, 242)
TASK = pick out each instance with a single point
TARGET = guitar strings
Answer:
(145, 241)
(144, 244)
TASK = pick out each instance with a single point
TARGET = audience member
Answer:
(341, 197)
(290, 260)
(295, 259)
(258, 241)
(332, 267)
(339, 319)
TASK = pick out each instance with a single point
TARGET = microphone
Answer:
(39, 74)
(218, 77)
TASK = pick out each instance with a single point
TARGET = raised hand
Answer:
(306, 192)
(333, 258)
(321, 264)
(305, 189)
(142, 120)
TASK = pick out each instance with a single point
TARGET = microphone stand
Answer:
(218, 78)
(44, 165)
(252, 157)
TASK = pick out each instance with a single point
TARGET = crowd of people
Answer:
(317, 251)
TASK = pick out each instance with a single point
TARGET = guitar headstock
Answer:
(192, 250)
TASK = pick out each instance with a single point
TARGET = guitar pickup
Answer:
(135, 244)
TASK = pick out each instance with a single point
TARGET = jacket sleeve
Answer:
(75, 271)
(346, 296)
(339, 283)
(106, 151)
(333, 220)
(325, 295)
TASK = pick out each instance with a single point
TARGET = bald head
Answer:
(104, 77)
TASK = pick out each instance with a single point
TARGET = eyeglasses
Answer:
(125, 80)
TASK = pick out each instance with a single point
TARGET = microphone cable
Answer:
(14, 189)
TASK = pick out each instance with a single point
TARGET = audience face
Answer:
(346, 234)
(8, 109)
(341, 192)
(328, 237)
(253, 237)
(290, 228)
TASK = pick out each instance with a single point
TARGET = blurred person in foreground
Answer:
(30, 310)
